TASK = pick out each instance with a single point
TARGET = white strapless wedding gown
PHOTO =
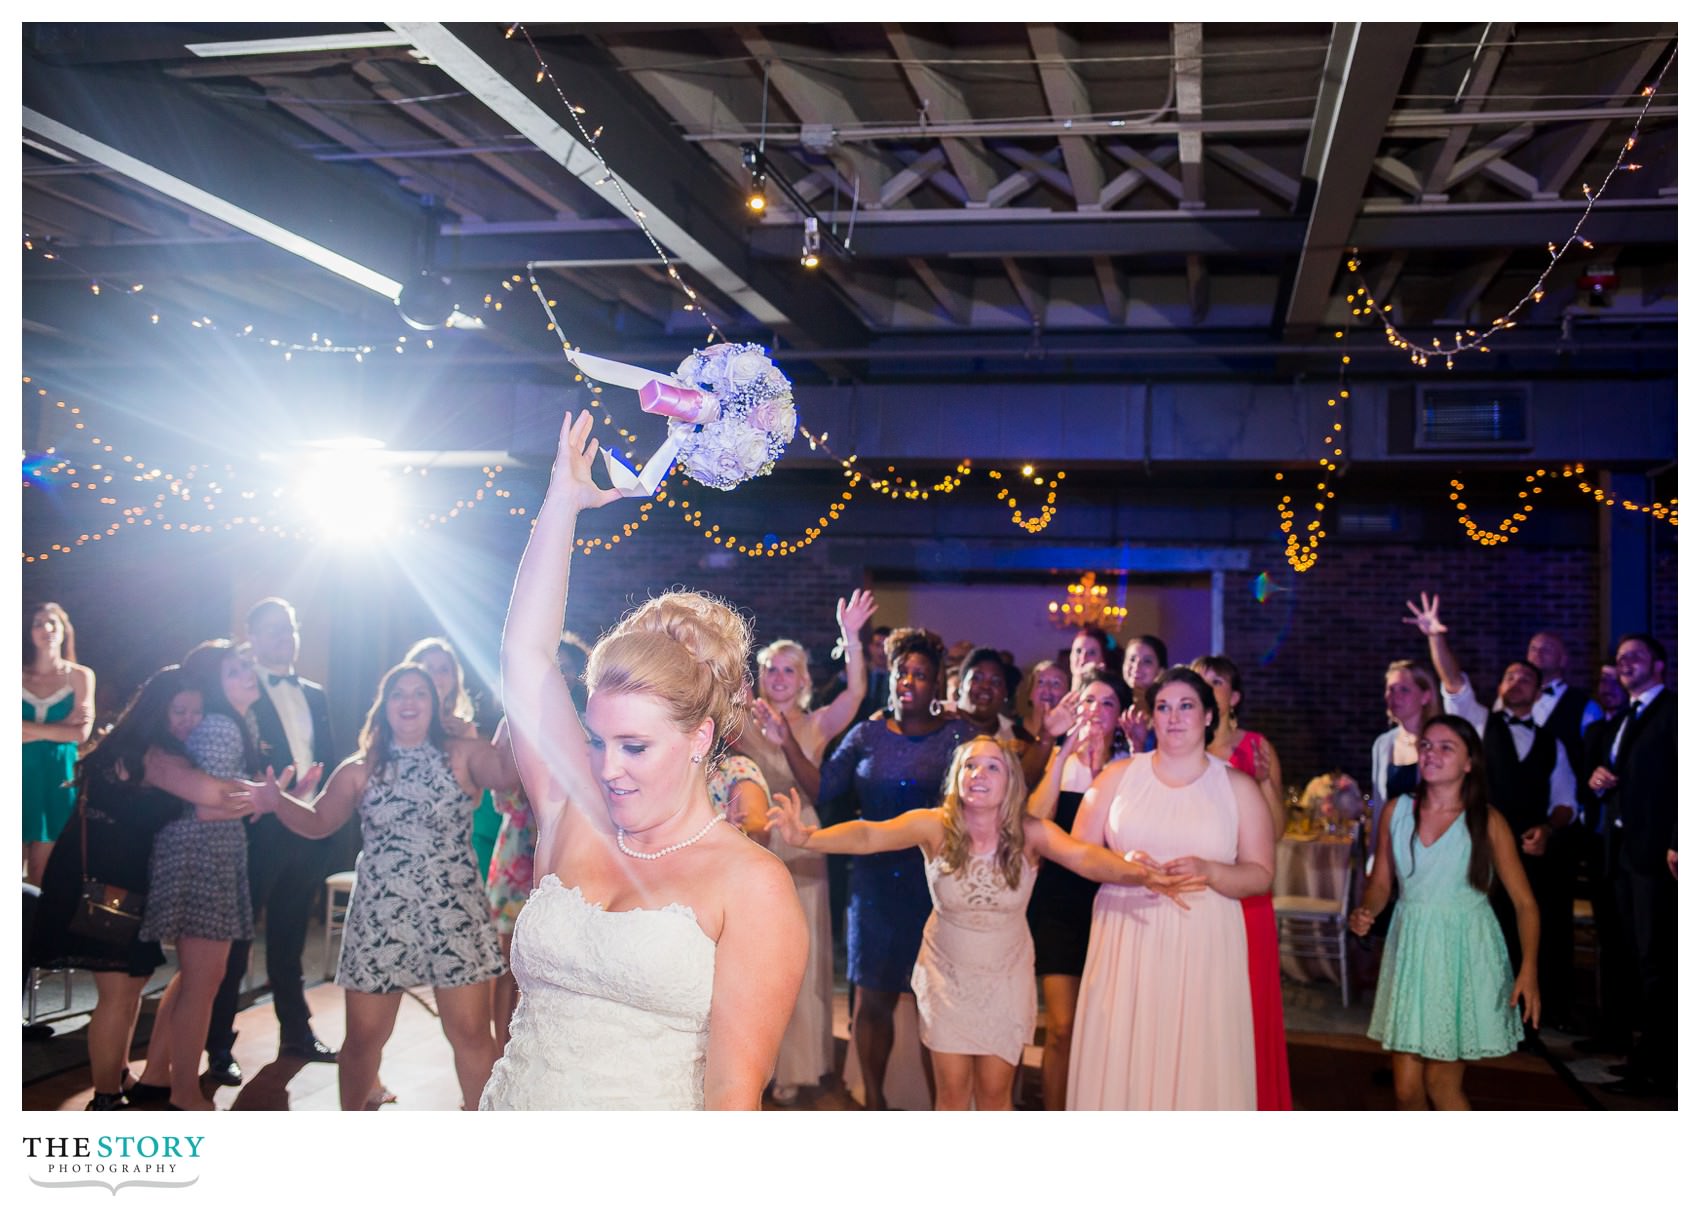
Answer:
(613, 1011)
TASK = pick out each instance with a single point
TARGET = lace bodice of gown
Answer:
(613, 1013)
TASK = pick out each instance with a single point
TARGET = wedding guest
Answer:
(660, 956)
(1251, 753)
(892, 765)
(1184, 1041)
(1147, 657)
(1412, 700)
(292, 723)
(984, 688)
(1635, 780)
(1091, 648)
(58, 717)
(1564, 709)
(1049, 712)
(973, 977)
(1444, 950)
(1060, 912)
(1609, 697)
(440, 660)
(418, 915)
(1530, 781)
(785, 705)
(135, 781)
(198, 874)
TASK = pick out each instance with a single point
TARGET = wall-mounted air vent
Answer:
(1368, 520)
(1473, 418)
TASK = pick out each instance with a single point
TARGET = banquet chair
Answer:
(1314, 927)
(339, 891)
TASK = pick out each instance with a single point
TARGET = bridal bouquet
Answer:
(749, 424)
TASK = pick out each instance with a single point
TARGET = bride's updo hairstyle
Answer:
(689, 650)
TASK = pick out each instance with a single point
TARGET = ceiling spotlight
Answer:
(757, 201)
(811, 242)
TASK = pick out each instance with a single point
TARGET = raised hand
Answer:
(574, 459)
(774, 726)
(853, 613)
(785, 814)
(1427, 618)
(1060, 718)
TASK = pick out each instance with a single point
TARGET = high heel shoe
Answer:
(146, 1094)
(105, 1102)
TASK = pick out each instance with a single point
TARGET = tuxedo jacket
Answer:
(1645, 796)
(274, 742)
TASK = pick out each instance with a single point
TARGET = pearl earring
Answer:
(936, 707)
(696, 759)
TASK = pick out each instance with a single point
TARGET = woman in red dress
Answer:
(1252, 753)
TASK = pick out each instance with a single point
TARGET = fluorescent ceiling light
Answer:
(297, 46)
(219, 208)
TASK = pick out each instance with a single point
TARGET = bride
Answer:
(659, 958)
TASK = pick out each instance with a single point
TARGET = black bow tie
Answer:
(272, 679)
(1553, 689)
(1521, 723)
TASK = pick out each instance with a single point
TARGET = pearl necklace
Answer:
(620, 841)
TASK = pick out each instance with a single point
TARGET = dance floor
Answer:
(1330, 1070)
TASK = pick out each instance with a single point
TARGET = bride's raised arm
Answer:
(549, 742)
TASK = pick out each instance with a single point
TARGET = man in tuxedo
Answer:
(1635, 781)
(1566, 710)
(1533, 785)
(285, 870)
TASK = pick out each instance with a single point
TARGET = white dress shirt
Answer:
(1549, 696)
(297, 717)
(1561, 791)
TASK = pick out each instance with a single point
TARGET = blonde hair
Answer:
(1425, 681)
(806, 685)
(1012, 813)
(690, 651)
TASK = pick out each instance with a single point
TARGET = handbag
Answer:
(105, 912)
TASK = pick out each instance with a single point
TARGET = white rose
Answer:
(747, 367)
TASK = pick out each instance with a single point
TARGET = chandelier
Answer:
(1087, 605)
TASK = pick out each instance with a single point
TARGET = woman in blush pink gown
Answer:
(1164, 1017)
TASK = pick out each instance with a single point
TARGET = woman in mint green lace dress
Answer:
(1446, 993)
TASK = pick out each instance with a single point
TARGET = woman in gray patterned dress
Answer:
(418, 915)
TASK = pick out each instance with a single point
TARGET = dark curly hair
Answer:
(907, 640)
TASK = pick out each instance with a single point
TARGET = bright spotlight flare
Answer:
(729, 409)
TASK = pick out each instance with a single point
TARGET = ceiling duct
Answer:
(1474, 418)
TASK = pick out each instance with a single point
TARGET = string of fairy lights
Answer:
(1302, 549)
(1467, 339)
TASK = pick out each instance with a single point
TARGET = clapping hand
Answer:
(574, 459)
(1135, 727)
(785, 814)
(305, 784)
(774, 726)
(1427, 618)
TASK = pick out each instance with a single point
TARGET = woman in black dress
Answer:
(137, 779)
(1060, 911)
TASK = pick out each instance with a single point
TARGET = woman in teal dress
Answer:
(1446, 993)
(58, 716)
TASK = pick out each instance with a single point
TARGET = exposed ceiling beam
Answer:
(687, 99)
(1473, 92)
(1040, 166)
(1150, 170)
(690, 207)
(237, 171)
(303, 98)
(942, 101)
(1467, 287)
(1029, 288)
(1189, 104)
(1126, 182)
(1266, 177)
(911, 176)
(1371, 58)
(1563, 164)
(817, 103)
(1197, 288)
(1496, 148)
(1066, 97)
(1113, 289)
(951, 290)
(396, 82)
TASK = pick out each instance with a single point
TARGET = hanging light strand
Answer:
(1301, 553)
(1468, 339)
